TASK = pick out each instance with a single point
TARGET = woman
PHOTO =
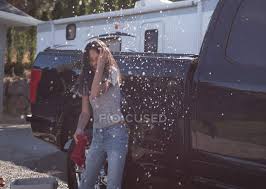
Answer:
(110, 133)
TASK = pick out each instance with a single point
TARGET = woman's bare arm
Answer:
(96, 86)
(84, 117)
(85, 113)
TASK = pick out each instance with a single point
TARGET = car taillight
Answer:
(36, 75)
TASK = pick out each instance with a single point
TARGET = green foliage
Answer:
(24, 41)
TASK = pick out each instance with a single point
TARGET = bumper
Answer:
(43, 128)
(32, 118)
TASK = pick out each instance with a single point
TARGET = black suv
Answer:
(214, 105)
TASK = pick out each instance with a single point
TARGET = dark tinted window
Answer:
(56, 60)
(71, 31)
(151, 41)
(247, 41)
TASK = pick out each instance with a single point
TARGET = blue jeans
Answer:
(110, 142)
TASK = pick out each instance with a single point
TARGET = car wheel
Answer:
(74, 173)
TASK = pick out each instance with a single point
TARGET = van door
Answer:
(229, 132)
(152, 37)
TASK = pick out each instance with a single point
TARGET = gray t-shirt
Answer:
(107, 107)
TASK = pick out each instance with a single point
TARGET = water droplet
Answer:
(34, 147)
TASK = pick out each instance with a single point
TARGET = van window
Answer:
(247, 41)
(113, 43)
(151, 41)
(71, 31)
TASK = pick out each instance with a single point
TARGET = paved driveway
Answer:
(22, 155)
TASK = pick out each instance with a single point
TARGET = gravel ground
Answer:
(24, 156)
(9, 171)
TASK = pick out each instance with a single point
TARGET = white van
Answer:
(151, 26)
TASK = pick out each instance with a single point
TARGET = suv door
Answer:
(229, 131)
(153, 87)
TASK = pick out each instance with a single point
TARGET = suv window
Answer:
(247, 41)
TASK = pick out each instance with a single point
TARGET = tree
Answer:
(25, 41)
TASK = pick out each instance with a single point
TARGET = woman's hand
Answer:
(97, 80)
(102, 57)
(77, 132)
